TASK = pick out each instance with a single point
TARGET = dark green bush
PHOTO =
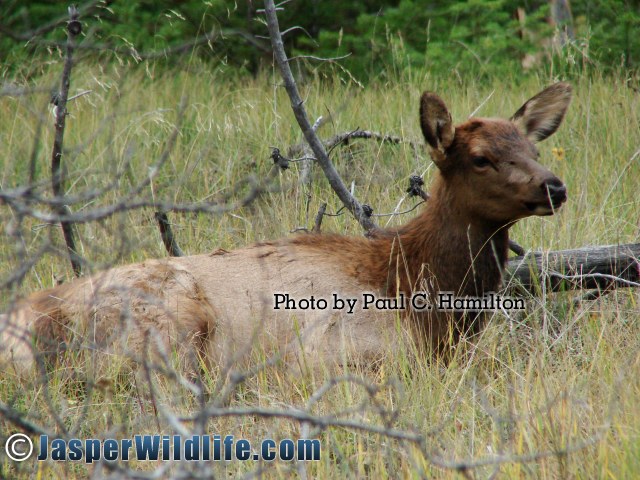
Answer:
(475, 37)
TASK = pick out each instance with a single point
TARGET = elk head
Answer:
(489, 166)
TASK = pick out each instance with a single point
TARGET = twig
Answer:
(19, 420)
(308, 159)
(417, 439)
(516, 248)
(607, 277)
(22, 206)
(344, 137)
(278, 159)
(86, 7)
(320, 59)
(200, 40)
(482, 104)
(78, 95)
(350, 202)
(358, 133)
(305, 150)
(394, 213)
(590, 296)
(318, 123)
(167, 235)
(57, 177)
(415, 188)
(318, 223)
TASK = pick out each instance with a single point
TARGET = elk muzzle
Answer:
(554, 193)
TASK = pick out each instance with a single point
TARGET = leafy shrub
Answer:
(472, 38)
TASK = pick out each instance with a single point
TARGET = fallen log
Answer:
(600, 267)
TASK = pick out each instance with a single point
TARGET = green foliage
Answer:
(472, 38)
(476, 37)
(612, 30)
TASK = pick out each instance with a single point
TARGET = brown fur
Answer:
(217, 305)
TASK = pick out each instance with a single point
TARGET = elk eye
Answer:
(481, 162)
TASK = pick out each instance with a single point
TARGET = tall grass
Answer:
(563, 375)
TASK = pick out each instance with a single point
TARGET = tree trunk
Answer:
(561, 17)
(601, 267)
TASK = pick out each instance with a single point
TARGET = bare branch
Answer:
(22, 206)
(350, 202)
(366, 134)
(86, 7)
(166, 233)
(19, 420)
(320, 59)
(516, 248)
(57, 176)
(318, 223)
(394, 213)
(200, 40)
(344, 137)
(481, 104)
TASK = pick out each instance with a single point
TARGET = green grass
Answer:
(558, 376)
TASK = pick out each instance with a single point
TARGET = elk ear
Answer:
(436, 124)
(541, 115)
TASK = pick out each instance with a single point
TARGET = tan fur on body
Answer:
(221, 304)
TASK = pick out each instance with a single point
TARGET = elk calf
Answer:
(222, 304)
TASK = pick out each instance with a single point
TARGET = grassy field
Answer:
(561, 377)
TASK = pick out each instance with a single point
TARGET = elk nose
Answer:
(556, 191)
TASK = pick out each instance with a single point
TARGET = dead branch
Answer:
(600, 267)
(20, 204)
(87, 8)
(305, 150)
(320, 215)
(33, 37)
(562, 19)
(57, 176)
(415, 188)
(417, 439)
(344, 137)
(19, 419)
(166, 233)
(337, 184)
(516, 248)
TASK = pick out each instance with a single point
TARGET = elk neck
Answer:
(445, 248)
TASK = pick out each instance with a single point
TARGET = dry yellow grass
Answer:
(559, 377)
